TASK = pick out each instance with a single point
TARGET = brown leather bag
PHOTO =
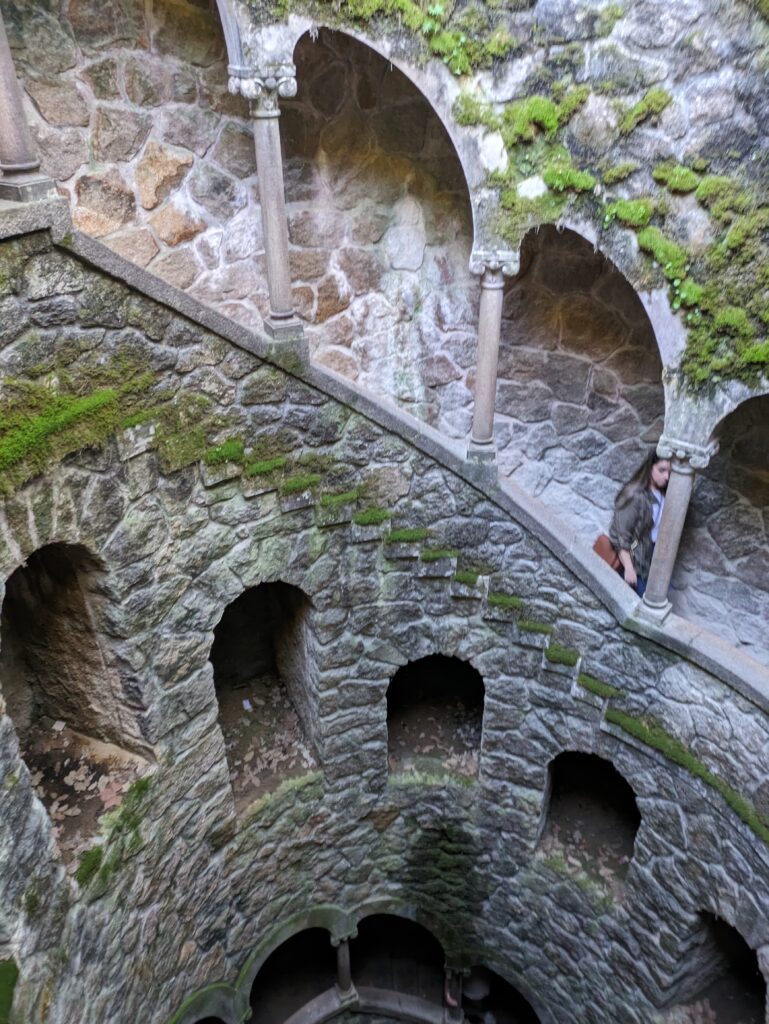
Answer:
(604, 548)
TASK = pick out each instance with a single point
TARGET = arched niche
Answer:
(380, 226)
(722, 572)
(263, 664)
(590, 817)
(721, 982)
(487, 996)
(77, 732)
(299, 970)
(435, 716)
(580, 397)
(394, 953)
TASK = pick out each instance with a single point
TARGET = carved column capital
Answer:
(264, 87)
(507, 262)
(694, 456)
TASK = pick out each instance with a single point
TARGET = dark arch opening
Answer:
(580, 397)
(435, 716)
(722, 572)
(380, 226)
(591, 816)
(262, 657)
(211, 1020)
(63, 692)
(293, 974)
(395, 953)
(487, 997)
(722, 981)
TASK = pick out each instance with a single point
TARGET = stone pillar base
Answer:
(26, 188)
(284, 329)
(482, 451)
(348, 997)
(652, 612)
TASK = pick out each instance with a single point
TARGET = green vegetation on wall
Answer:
(9, 975)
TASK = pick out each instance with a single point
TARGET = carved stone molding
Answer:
(695, 455)
(508, 262)
(264, 87)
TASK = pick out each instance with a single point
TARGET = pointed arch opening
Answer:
(435, 716)
(380, 224)
(263, 663)
(78, 735)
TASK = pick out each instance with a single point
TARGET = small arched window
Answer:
(262, 658)
(63, 693)
(591, 816)
(296, 972)
(435, 716)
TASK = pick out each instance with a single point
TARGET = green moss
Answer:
(522, 119)
(265, 466)
(9, 975)
(300, 482)
(31, 900)
(596, 686)
(436, 554)
(469, 111)
(338, 500)
(532, 626)
(633, 213)
(467, 577)
(90, 862)
(746, 229)
(672, 259)
(371, 517)
(509, 601)
(653, 735)
(608, 17)
(723, 196)
(652, 104)
(734, 322)
(619, 172)
(230, 451)
(559, 655)
(689, 292)
(676, 178)
(564, 177)
(407, 535)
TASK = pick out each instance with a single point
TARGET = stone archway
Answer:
(722, 573)
(580, 399)
(380, 226)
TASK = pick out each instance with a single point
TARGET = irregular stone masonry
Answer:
(182, 893)
(380, 229)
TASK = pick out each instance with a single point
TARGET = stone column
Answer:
(21, 179)
(492, 271)
(264, 89)
(684, 458)
(347, 992)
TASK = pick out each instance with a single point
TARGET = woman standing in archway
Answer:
(637, 514)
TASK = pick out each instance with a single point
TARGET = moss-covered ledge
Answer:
(693, 643)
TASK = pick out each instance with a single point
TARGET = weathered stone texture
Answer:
(199, 889)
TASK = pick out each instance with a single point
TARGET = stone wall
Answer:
(723, 568)
(580, 398)
(183, 892)
(130, 110)
(380, 225)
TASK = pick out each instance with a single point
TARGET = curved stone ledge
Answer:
(703, 648)
(202, 896)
